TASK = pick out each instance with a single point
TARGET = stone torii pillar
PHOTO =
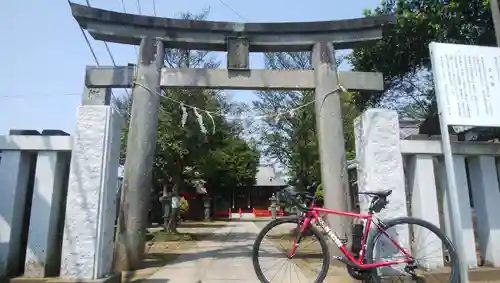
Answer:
(238, 39)
(332, 155)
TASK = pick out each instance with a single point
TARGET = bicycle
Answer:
(359, 262)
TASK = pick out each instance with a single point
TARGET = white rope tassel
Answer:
(200, 121)
(277, 119)
(213, 122)
(184, 115)
(277, 116)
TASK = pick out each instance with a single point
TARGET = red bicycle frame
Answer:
(314, 212)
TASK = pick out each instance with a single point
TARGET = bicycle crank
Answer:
(354, 272)
(358, 274)
(415, 274)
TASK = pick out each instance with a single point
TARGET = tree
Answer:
(233, 164)
(403, 54)
(291, 139)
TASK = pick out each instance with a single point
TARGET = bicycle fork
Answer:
(296, 242)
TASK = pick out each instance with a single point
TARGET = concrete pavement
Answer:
(225, 256)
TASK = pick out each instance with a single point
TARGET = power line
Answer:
(125, 11)
(123, 6)
(40, 96)
(139, 7)
(107, 49)
(233, 10)
(90, 46)
(110, 54)
(105, 44)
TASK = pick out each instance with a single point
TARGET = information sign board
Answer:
(467, 81)
(467, 85)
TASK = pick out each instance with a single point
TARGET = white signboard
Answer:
(467, 80)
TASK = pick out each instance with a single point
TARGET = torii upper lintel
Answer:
(212, 35)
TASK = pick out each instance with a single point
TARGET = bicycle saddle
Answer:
(293, 191)
(382, 194)
(312, 188)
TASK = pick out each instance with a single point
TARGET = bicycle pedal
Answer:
(339, 258)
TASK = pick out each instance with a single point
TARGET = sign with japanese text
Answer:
(467, 81)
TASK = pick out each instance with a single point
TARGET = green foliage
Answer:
(234, 163)
(319, 192)
(403, 54)
(293, 141)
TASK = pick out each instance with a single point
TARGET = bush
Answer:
(184, 207)
(319, 192)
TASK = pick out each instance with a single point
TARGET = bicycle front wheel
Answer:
(270, 258)
(435, 257)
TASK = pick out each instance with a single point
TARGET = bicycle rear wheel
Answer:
(436, 259)
(271, 247)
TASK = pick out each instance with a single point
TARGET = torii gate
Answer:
(154, 34)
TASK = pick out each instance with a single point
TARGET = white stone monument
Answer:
(87, 251)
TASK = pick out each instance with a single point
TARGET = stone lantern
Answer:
(273, 207)
(207, 200)
(166, 201)
(207, 204)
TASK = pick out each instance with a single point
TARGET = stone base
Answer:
(479, 275)
(484, 274)
(117, 278)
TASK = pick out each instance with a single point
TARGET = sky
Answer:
(44, 53)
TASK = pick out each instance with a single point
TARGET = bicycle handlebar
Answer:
(293, 196)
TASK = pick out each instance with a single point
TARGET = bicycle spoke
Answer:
(425, 247)
(304, 266)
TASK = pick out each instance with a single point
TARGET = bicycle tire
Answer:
(324, 247)
(417, 221)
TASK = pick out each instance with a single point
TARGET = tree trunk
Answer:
(172, 221)
(171, 226)
(167, 205)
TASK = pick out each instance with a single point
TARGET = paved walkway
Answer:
(223, 257)
(226, 257)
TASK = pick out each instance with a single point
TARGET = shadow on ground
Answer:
(257, 220)
(203, 225)
(230, 237)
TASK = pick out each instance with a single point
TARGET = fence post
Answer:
(469, 244)
(380, 166)
(43, 254)
(486, 198)
(15, 200)
(424, 205)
